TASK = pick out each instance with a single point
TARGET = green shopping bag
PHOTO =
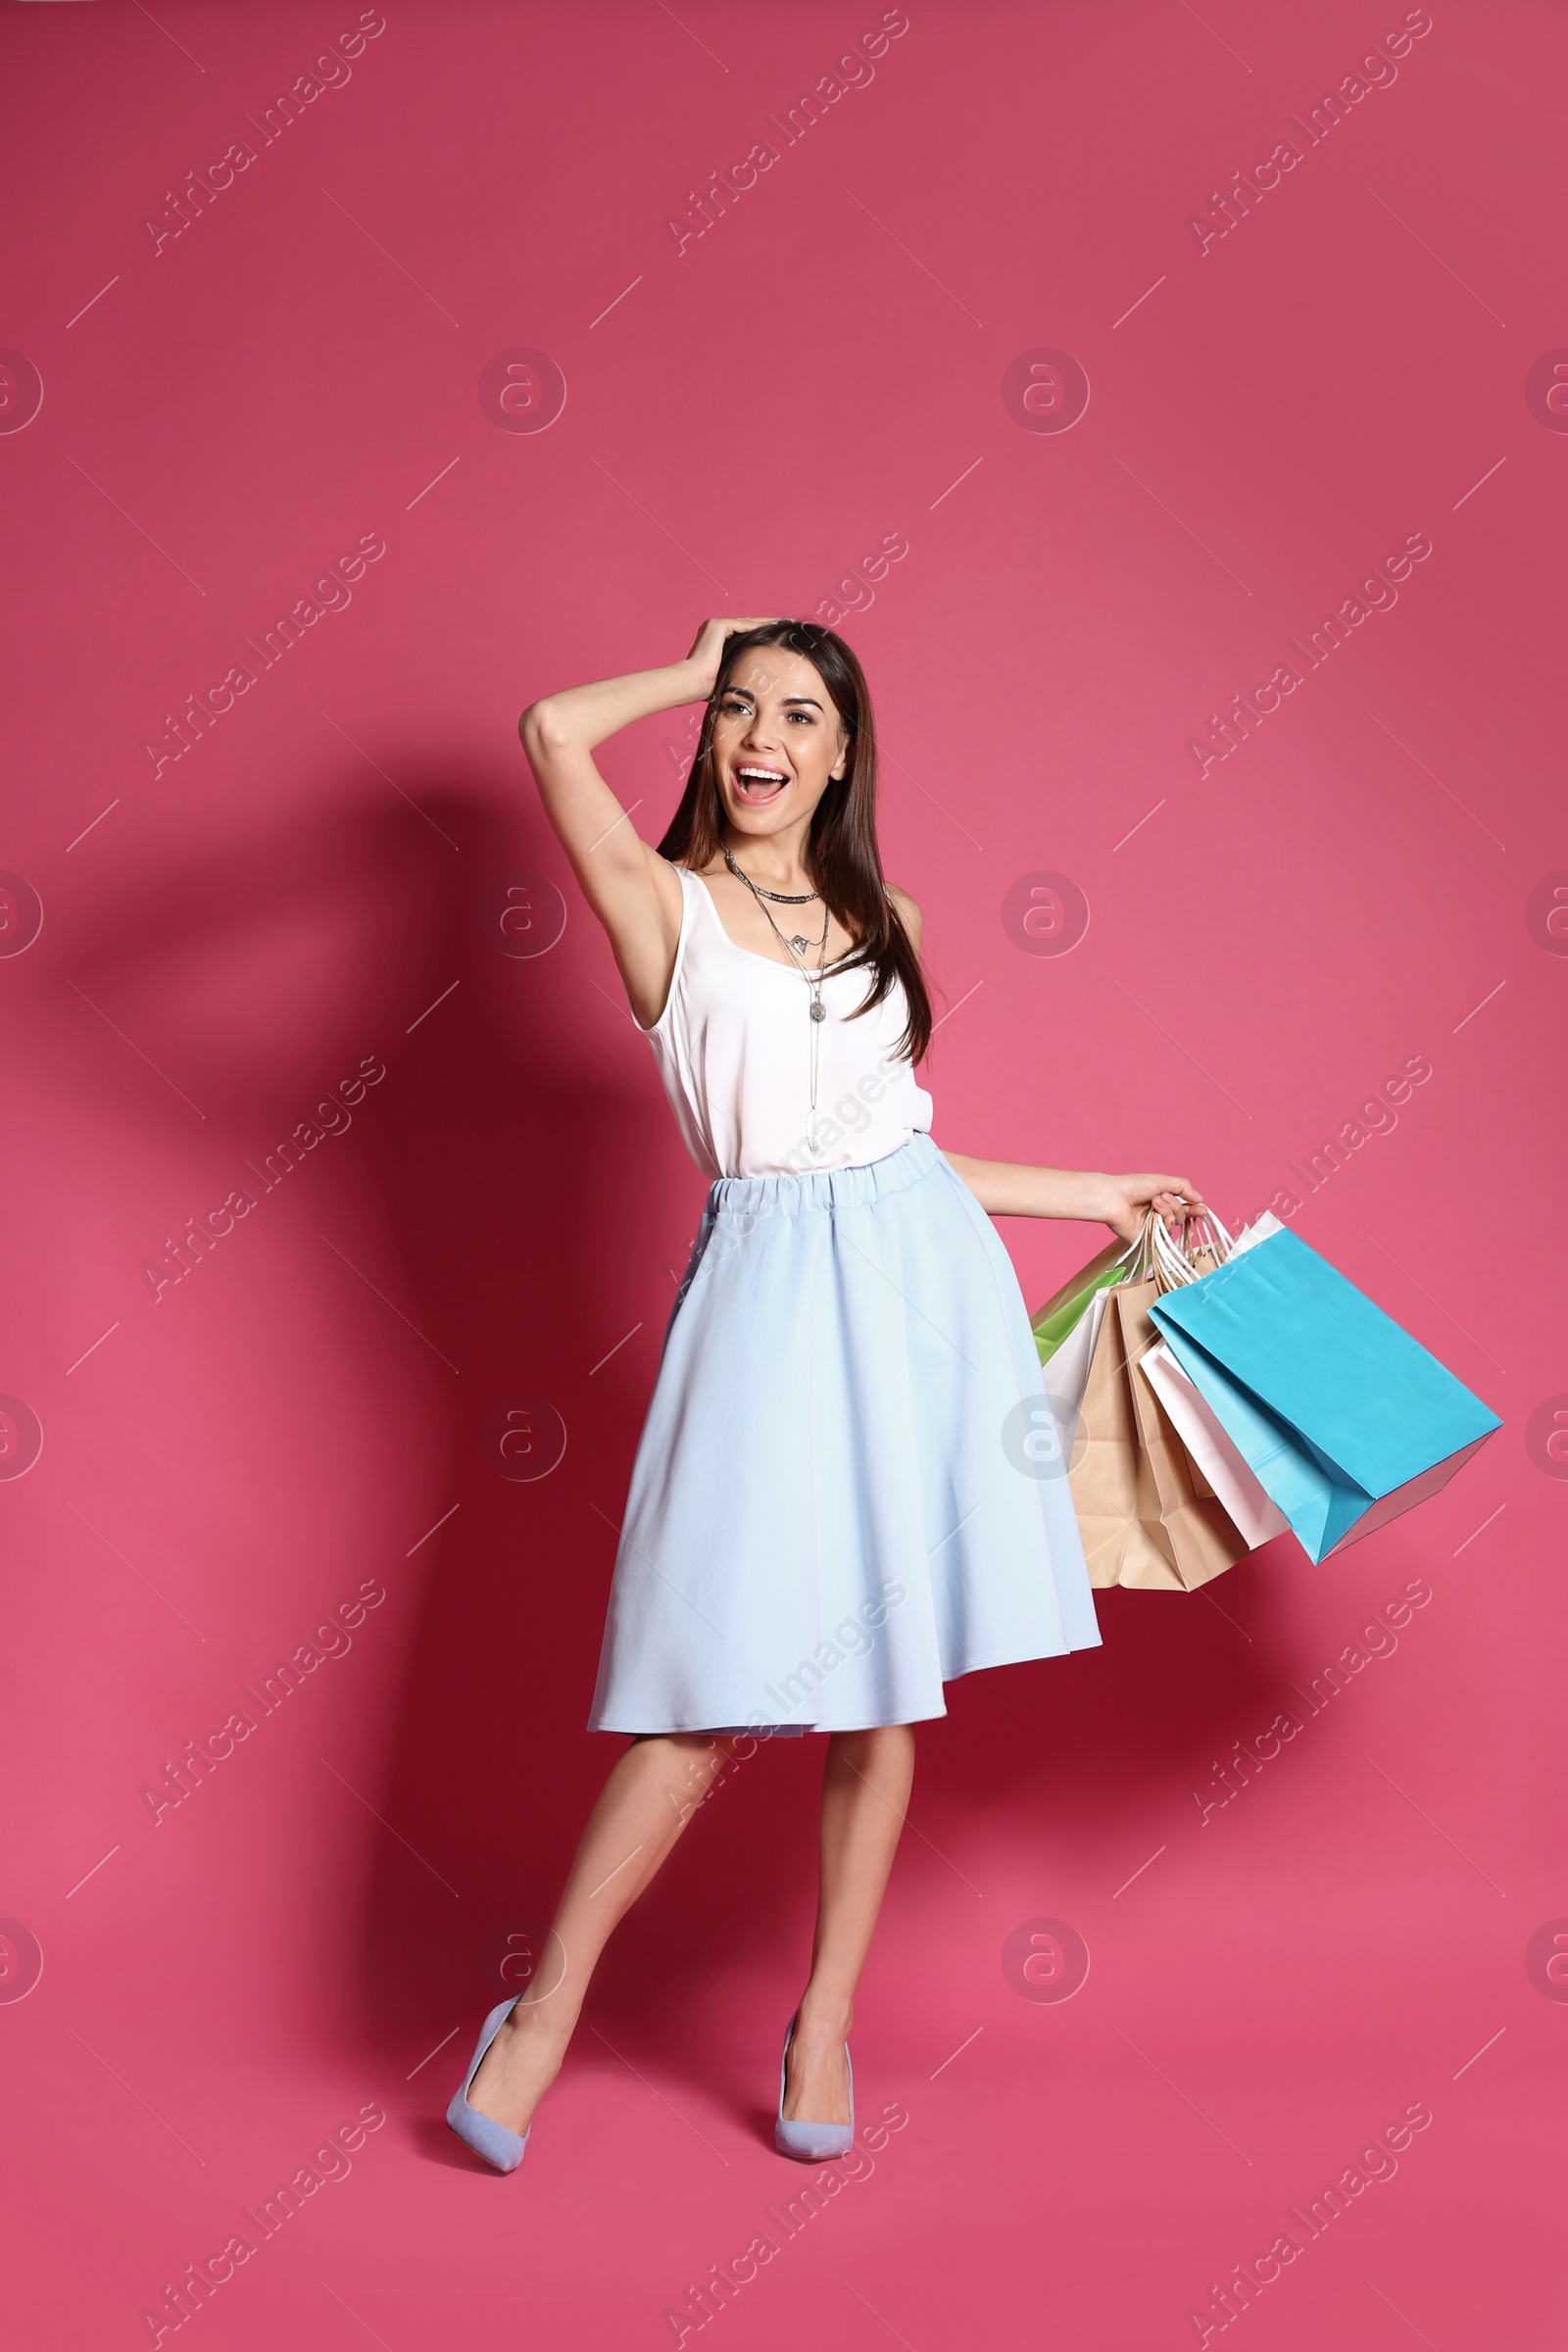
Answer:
(1061, 1314)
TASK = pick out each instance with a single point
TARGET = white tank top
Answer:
(733, 1045)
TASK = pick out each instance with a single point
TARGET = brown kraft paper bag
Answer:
(1146, 1518)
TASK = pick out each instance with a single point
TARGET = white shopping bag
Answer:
(1210, 1448)
(1067, 1372)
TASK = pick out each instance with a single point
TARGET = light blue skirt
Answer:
(835, 1505)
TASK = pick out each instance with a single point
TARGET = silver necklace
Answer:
(814, 980)
(780, 897)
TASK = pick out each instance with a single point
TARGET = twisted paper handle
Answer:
(1173, 1259)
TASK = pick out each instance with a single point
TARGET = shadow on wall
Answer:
(498, 1182)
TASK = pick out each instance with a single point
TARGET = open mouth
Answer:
(758, 785)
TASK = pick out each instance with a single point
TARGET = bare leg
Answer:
(652, 1792)
(865, 1790)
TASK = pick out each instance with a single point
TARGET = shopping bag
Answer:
(1062, 1314)
(1144, 1520)
(1211, 1451)
(1067, 1373)
(1067, 1369)
(1344, 1419)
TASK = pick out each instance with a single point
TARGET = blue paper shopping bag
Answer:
(1344, 1420)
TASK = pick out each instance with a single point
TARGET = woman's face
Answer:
(777, 741)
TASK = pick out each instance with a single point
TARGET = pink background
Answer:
(318, 882)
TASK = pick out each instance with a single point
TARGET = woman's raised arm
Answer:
(631, 889)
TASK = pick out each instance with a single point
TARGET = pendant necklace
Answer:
(797, 945)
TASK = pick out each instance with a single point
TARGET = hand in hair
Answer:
(709, 650)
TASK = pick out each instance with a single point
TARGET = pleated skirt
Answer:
(839, 1499)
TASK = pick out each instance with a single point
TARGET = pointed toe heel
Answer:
(812, 2143)
(491, 2140)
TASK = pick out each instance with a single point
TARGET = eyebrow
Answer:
(807, 700)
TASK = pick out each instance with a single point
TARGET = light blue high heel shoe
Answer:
(491, 2140)
(812, 2143)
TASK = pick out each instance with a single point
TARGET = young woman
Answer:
(832, 1511)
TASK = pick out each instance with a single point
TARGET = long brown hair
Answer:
(840, 857)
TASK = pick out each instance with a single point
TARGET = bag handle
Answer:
(1142, 1254)
(1173, 1259)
